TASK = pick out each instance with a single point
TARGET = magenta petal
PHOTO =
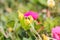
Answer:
(54, 39)
(57, 36)
(56, 32)
(56, 29)
(33, 14)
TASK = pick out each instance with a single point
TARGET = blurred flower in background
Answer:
(56, 33)
(51, 3)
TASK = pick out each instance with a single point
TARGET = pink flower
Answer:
(31, 13)
(56, 33)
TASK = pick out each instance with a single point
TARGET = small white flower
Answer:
(51, 3)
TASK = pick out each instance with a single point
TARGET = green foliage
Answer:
(43, 2)
(27, 39)
(21, 31)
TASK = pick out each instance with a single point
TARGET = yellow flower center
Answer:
(29, 20)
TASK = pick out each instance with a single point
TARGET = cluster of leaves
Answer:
(10, 25)
(13, 28)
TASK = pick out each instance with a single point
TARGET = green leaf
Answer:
(10, 23)
(48, 24)
(43, 2)
(27, 38)
(1, 36)
(4, 18)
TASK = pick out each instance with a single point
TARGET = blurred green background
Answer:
(25, 5)
(9, 17)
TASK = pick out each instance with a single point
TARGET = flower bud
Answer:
(20, 15)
